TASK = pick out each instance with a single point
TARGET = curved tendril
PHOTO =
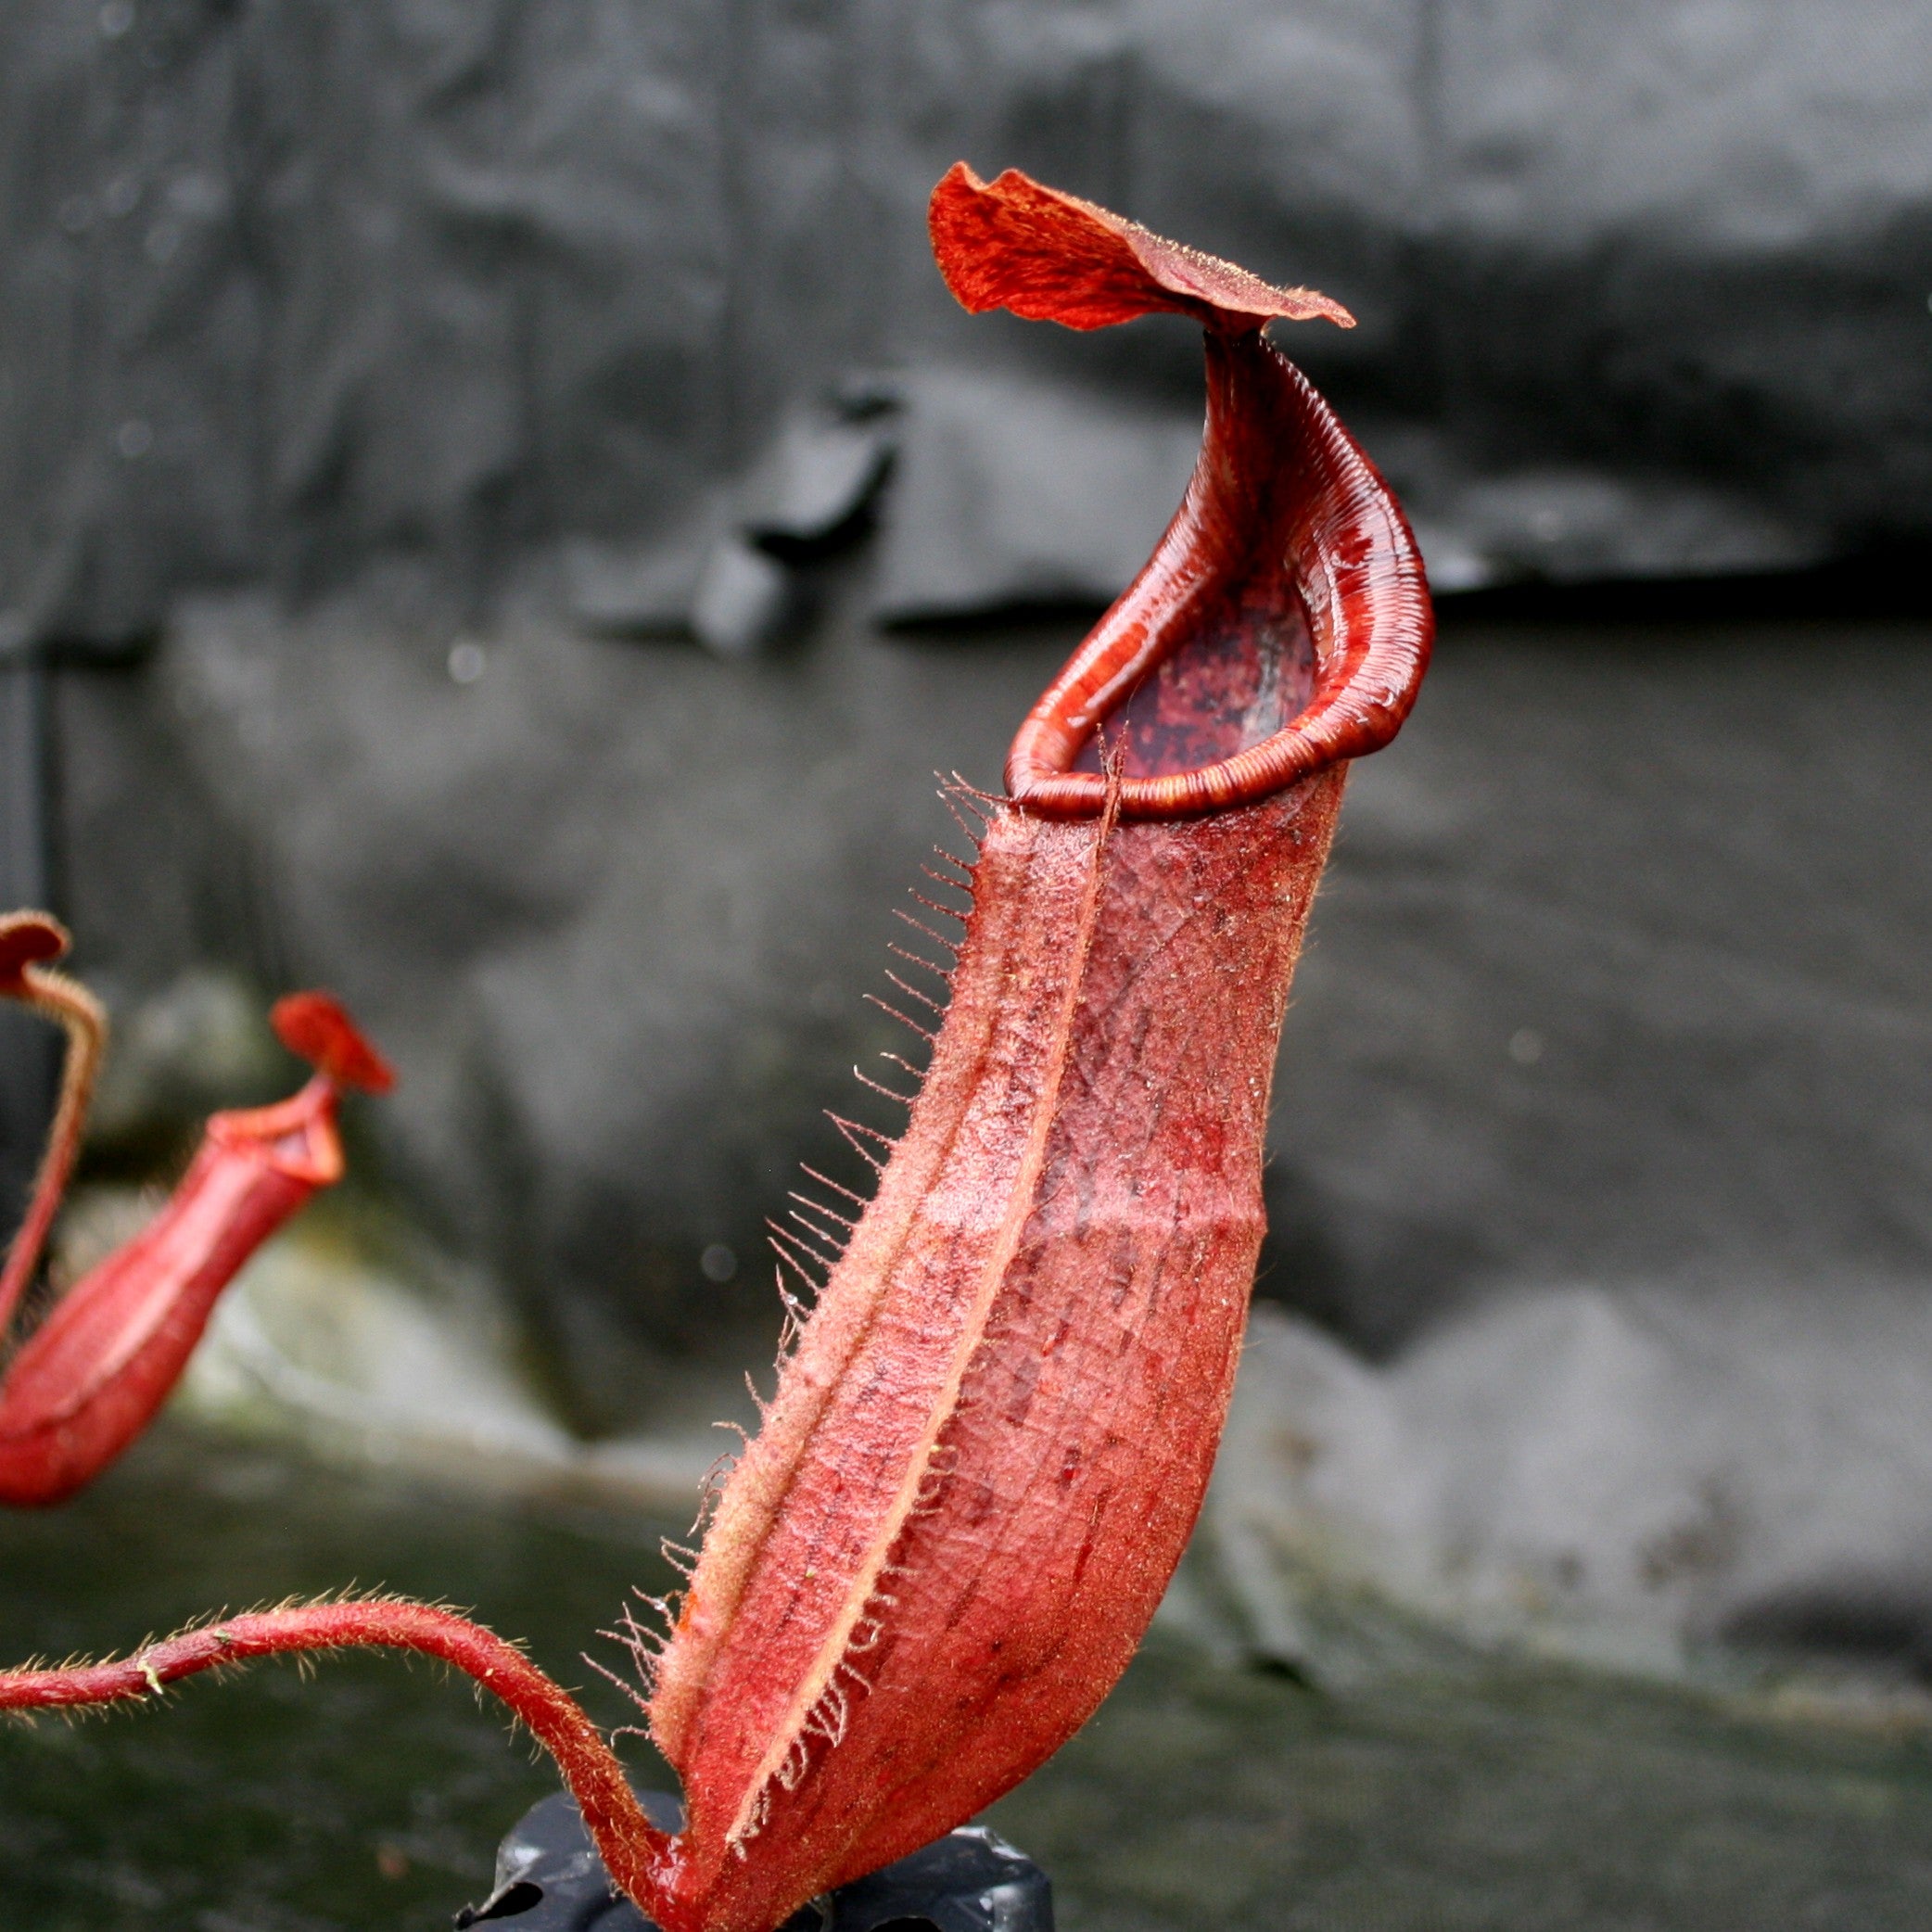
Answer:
(25, 940)
(635, 1852)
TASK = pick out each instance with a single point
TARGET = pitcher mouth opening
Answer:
(1281, 627)
(297, 1137)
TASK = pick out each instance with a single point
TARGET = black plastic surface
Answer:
(548, 1879)
(294, 290)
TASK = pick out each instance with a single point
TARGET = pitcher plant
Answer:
(995, 1421)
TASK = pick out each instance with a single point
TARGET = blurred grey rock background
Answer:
(1602, 1157)
(388, 395)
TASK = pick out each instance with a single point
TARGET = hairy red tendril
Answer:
(635, 1851)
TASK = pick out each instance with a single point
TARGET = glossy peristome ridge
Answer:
(1285, 522)
(88, 1380)
(993, 1429)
